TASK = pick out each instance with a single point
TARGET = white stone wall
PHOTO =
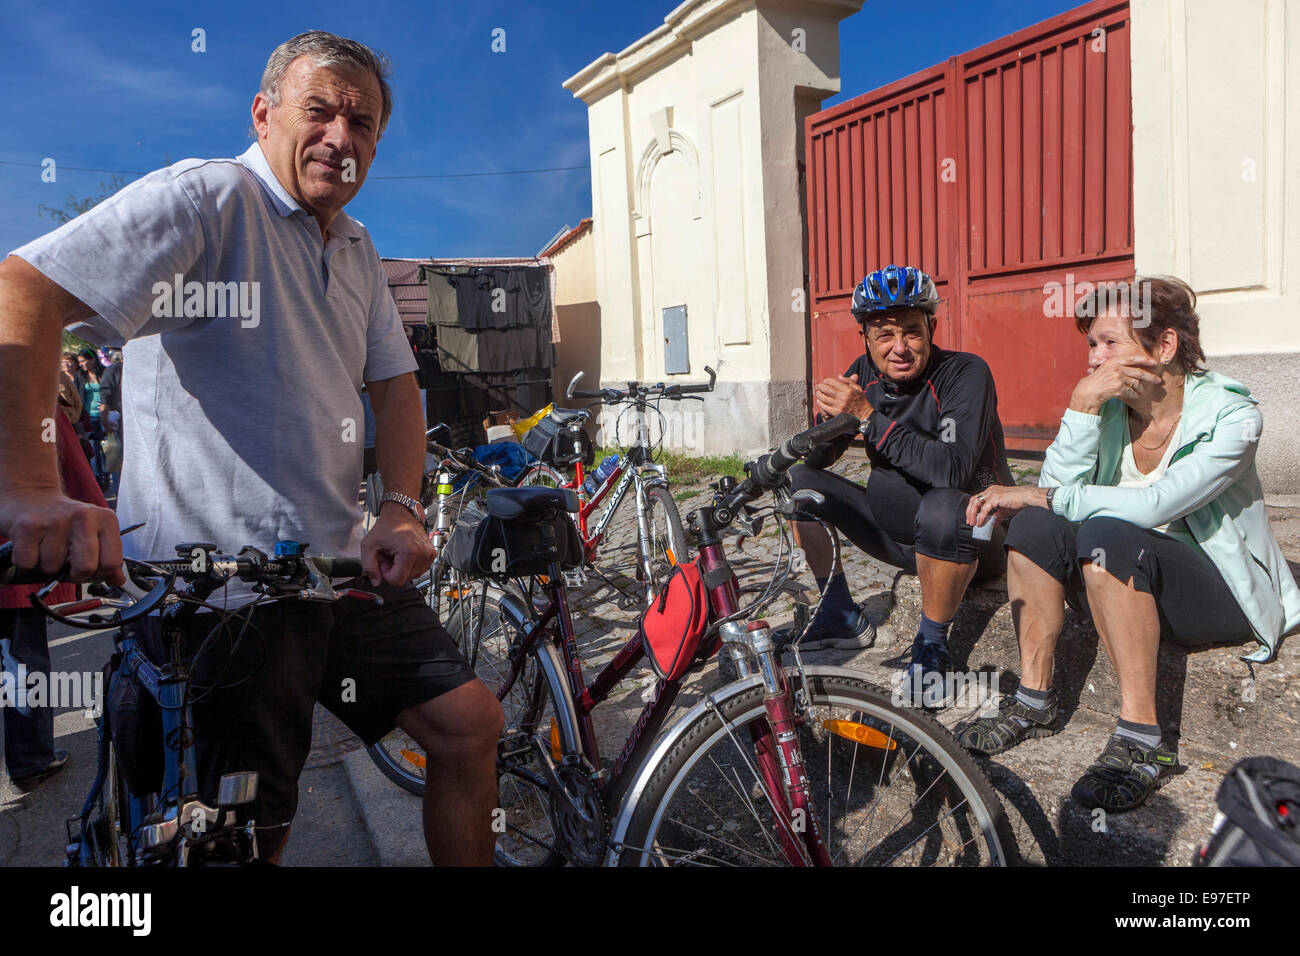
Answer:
(696, 133)
(1216, 190)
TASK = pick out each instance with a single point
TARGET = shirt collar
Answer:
(255, 160)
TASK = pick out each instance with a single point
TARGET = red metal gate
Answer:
(998, 172)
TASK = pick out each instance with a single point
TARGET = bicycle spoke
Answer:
(738, 787)
(920, 835)
(710, 836)
(776, 811)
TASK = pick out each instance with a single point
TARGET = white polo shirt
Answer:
(247, 339)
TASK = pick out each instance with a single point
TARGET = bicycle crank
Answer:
(579, 817)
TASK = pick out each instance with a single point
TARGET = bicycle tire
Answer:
(528, 833)
(653, 827)
(667, 539)
(397, 755)
(106, 825)
(543, 475)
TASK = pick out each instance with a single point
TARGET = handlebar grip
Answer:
(804, 442)
(587, 395)
(338, 567)
(12, 575)
(768, 470)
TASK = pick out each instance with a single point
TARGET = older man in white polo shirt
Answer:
(252, 310)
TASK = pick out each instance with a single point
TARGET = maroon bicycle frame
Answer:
(775, 740)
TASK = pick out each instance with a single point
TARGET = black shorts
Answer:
(893, 519)
(253, 707)
(1195, 605)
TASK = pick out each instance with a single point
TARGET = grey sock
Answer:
(1037, 699)
(1144, 735)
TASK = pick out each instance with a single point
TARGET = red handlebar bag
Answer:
(671, 628)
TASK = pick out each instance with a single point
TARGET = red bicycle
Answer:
(798, 764)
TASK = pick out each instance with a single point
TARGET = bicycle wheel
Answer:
(527, 831)
(544, 476)
(105, 830)
(666, 544)
(907, 794)
(453, 596)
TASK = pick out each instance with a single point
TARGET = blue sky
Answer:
(117, 87)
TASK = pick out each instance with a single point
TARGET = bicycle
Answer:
(168, 824)
(732, 781)
(661, 539)
(446, 589)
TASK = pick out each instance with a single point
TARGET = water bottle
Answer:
(606, 469)
(597, 478)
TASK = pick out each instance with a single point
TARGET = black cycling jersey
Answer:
(938, 430)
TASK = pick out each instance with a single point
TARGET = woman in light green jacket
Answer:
(1149, 516)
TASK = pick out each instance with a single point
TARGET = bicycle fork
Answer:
(776, 746)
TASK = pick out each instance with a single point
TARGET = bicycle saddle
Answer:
(566, 415)
(512, 504)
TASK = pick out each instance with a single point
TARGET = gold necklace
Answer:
(1161, 443)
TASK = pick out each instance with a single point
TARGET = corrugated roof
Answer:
(410, 294)
(568, 237)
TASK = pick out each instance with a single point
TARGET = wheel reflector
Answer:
(411, 757)
(860, 734)
(556, 753)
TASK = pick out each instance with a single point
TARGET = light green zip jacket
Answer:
(1210, 481)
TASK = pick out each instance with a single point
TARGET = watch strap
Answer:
(407, 502)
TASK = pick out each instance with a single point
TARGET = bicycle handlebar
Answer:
(459, 460)
(637, 391)
(307, 575)
(768, 472)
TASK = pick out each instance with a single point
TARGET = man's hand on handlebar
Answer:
(51, 530)
(396, 548)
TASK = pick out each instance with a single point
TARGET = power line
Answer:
(504, 172)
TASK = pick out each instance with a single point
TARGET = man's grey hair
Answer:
(328, 50)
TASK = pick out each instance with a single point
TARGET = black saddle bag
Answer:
(482, 544)
(554, 442)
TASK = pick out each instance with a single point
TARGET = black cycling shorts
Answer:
(894, 519)
(253, 707)
(1196, 607)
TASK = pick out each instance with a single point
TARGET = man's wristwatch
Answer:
(1051, 493)
(406, 501)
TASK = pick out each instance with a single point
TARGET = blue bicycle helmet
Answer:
(893, 288)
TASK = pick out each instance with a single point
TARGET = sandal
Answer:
(1114, 782)
(993, 735)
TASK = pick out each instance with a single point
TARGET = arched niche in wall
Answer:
(666, 217)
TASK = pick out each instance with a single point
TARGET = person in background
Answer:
(70, 400)
(110, 418)
(73, 368)
(92, 373)
(1149, 517)
(30, 756)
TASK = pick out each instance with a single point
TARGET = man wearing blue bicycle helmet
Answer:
(933, 437)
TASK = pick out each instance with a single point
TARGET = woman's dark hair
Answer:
(1153, 304)
(96, 368)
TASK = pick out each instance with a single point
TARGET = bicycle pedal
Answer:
(575, 578)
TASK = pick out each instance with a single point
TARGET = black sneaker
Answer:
(1015, 721)
(926, 680)
(1116, 783)
(36, 779)
(858, 635)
